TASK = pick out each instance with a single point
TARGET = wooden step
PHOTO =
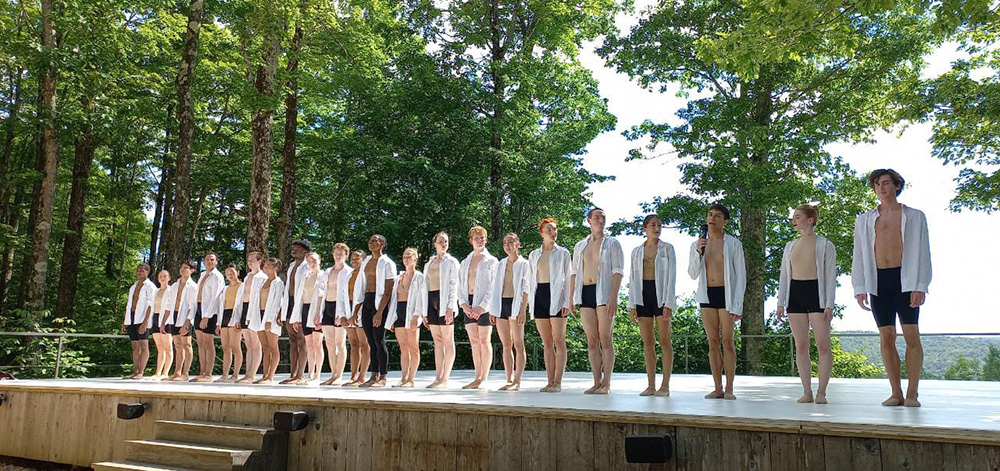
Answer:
(200, 457)
(244, 437)
(130, 466)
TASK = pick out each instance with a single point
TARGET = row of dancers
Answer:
(360, 297)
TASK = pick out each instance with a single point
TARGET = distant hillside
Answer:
(939, 351)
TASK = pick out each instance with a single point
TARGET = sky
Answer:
(964, 264)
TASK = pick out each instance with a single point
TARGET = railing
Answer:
(535, 357)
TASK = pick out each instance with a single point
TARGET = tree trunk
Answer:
(45, 189)
(14, 107)
(159, 214)
(286, 212)
(83, 159)
(7, 258)
(185, 133)
(197, 217)
(262, 122)
(496, 141)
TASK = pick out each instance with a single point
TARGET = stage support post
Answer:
(59, 355)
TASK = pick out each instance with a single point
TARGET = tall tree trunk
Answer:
(197, 215)
(83, 158)
(110, 240)
(45, 189)
(286, 212)
(14, 107)
(185, 133)
(7, 258)
(496, 142)
(262, 123)
(158, 215)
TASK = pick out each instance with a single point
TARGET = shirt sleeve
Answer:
(858, 263)
(924, 268)
(617, 259)
(741, 280)
(634, 291)
(670, 281)
(783, 277)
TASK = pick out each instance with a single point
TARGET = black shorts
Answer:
(330, 313)
(131, 318)
(176, 329)
(156, 323)
(803, 297)
(227, 317)
(434, 314)
(210, 328)
(892, 301)
(716, 298)
(307, 331)
(133, 333)
(588, 296)
(483, 321)
(543, 302)
(506, 308)
(245, 321)
(400, 314)
(649, 307)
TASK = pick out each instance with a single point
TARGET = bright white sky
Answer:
(958, 300)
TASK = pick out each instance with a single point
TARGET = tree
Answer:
(751, 124)
(991, 367)
(963, 369)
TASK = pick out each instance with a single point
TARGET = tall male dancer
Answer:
(210, 286)
(598, 269)
(891, 273)
(716, 261)
(140, 302)
(297, 272)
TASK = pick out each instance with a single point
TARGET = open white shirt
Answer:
(189, 303)
(300, 274)
(416, 302)
(210, 290)
(343, 299)
(521, 281)
(319, 289)
(665, 273)
(484, 280)
(826, 272)
(449, 282)
(221, 306)
(253, 308)
(274, 306)
(560, 269)
(915, 272)
(385, 269)
(735, 269)
(612, 262)
(147, 296)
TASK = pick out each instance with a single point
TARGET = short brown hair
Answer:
(478, 230)
(143, 266)
(259, 256)
(811, 211)
(189, 263)
(897, 179)
(275, 263)
(340, 246)
(439, 234)
(543, 222)
(416, 255)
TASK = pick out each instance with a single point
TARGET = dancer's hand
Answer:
(296, 327)
(377, 320)
(632, 315)
(317, 320)
(917, 298)
(204, 323)
(863, 301)
(522, 317)
(218, 331)
(124, 328)
(781, 313)
(449, 316)
(828, 314)
(735, 317)
(566, 312)
(667, 312)
(142, 329)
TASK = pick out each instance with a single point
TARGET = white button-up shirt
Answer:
(612, 262)
(189, 303)
(521, 280)
(665, 270)
(416, 302)
(826, 272)
(147, 295)
(484, 280)
(915, 273)
(560, 269)
(300, 274)
(384, 270)
(253, 308)
(449, 283)
(735, 273)
(210, 291)
(344, 302)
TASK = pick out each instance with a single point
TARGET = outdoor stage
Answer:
(958, 427)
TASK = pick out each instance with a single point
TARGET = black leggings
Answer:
(376, 336)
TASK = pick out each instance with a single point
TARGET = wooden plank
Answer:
(573, 441)
(413, 439)
(609, 446)
(505, 443)
(866, 453)
(906, 455)
(196, 409)
(797, 452)
(473, 440)
(359, 425)
(442, 440)
(538, 447)
(693, 448)
(385, 439)
(839, 451)
(755, 450)
(310, 451)
(334, 439)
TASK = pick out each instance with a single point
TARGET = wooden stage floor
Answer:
(953, 411)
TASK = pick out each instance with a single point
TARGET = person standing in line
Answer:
(410, 306)
(891, 274)
(651, 301)
(475, 280)
(140, 301)
(306, 309)
(210, 286)
(334, 310)
(360, 352)
(247, 315)
(161, 336)
(182, 302)
(272, 294)
(551, 296)
(508, 308)
(297, 351)
(441, 273)
(228, 329)
(372, 293)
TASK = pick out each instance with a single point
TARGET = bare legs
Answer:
(232, 354)
(719, 330)
(409, 354)
(269, 345)
(182, 357)
(140, 357)
(298, 355)
(598, 324)
(914, 364)
(336, 352)
(314, 347)
(800, 331)
(512, 336)
(646, 326)
(482, 352)
(206, 355)
(255, 354)
(444, 353)
(360, 355)
(164, 355)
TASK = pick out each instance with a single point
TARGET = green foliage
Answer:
(963, 369)
(991, 366)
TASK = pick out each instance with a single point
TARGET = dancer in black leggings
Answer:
(372, 292)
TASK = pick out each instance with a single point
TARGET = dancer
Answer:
(716, 261)
(891, 274)
(210, 286)
(508, 306)
(410, 306)
(360, 352)
(307, 308)
(182, 302)
(297, 350)
(372, 292)
(551, 297)
(271, 298)
(228, 330)
(161, 336)
(441, 272)
(475, 280)
(806, 291)
(598, 268)
(247, 315)
(140, 297)
(334, 310)
(651, 297)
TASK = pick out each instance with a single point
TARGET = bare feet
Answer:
(245, 380)
(398, 385)
(350, 384)
(648, 391)
(603, 390)
(662, 392)
(820, 398)
(202, 379)
(131, 376)
(367, 384)
(330, 382)
(506, 386)
(729, 396)
(555, 389)
(911, 402)
(438, 385)
(545, 388)
(716, 394)
(264, 380)
(806, 398)
(223, 379)
(473, 385)
(592, 389)
(514, 387)
(434, 384)
(181, 379)
(290, 380)
(379, 384)
(408, 384)
(893, 401)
